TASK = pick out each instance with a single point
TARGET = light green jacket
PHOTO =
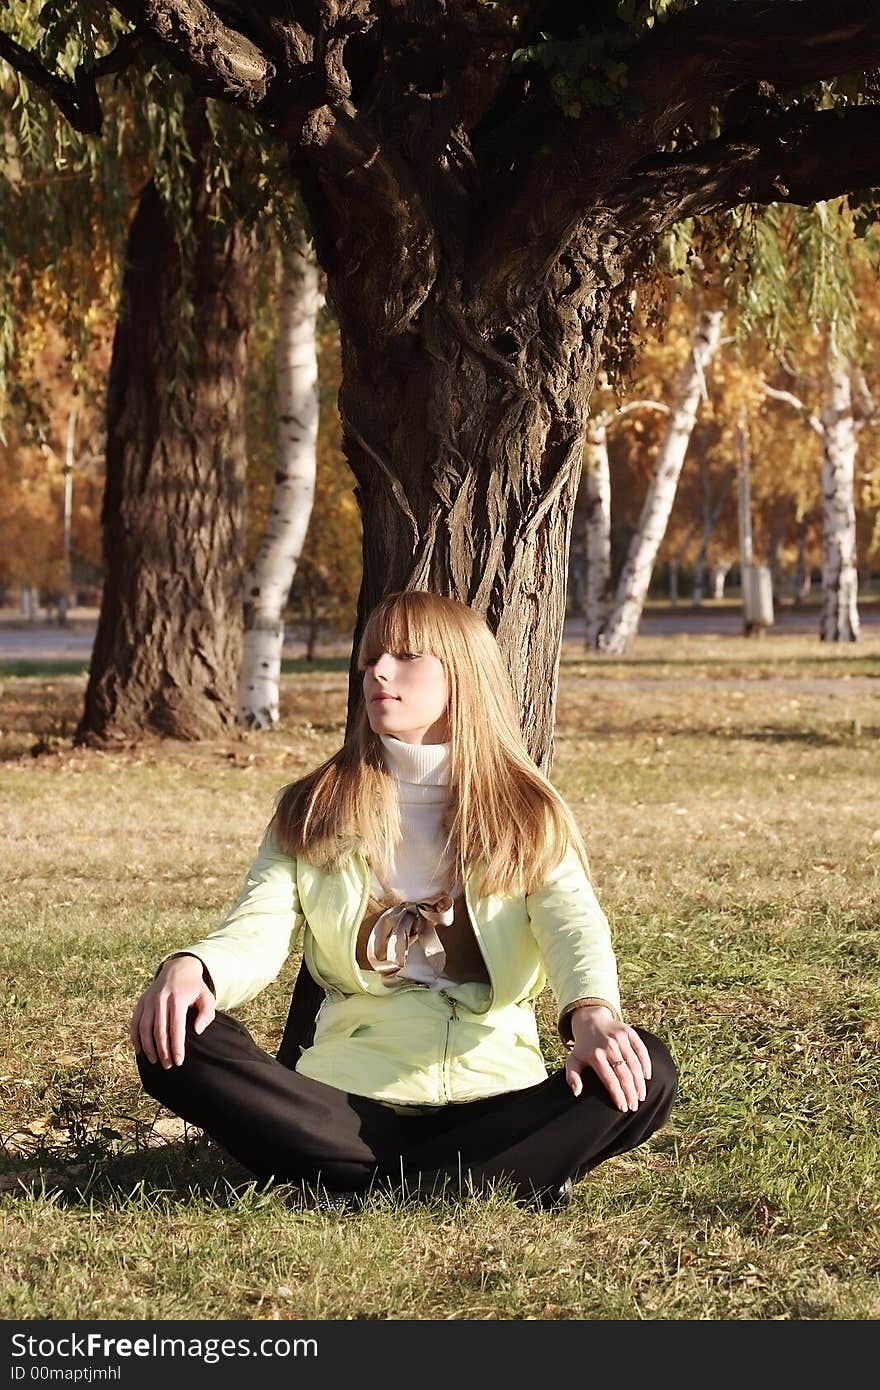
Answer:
(406, 1044)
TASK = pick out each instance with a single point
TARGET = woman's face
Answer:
(405, 697)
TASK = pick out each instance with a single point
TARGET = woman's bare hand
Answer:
(613, 1050)
(158, 1025)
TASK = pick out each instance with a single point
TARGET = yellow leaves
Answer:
(32, 464)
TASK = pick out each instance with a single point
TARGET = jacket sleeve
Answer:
(574, 940)
(247, 950)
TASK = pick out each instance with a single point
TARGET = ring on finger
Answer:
(619, 1063)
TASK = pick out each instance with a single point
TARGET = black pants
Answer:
(289, 1128)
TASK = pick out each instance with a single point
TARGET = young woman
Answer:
(436, 879)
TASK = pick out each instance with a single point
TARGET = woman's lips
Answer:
(379, 698)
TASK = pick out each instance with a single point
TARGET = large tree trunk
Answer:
(597, 528)
(840, 614)
(271, 575)
(467, 453)
(167, 650)
(632, 587)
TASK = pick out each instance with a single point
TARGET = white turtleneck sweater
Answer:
(419, 870)
(421, 771)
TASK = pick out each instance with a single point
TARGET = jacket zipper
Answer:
(445, 1094)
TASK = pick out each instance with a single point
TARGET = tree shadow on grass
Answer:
(175, 1172)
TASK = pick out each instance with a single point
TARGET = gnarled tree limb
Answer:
(798, 158)
(223, 62)
(697, 58)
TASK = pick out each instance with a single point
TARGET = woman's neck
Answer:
(416, 765)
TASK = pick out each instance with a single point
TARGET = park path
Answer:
(44, 641)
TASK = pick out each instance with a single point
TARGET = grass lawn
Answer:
(728, 792)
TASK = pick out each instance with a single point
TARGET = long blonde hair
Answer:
(503, 813)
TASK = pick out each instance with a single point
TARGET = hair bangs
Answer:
(399, 624)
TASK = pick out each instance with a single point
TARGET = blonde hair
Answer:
(503, 813)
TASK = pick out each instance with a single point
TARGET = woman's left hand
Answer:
(613, 1050)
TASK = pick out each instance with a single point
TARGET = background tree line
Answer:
(701, 535)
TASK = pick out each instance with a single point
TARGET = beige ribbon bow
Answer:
(398, 927)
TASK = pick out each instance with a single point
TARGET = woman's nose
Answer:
(384, 666)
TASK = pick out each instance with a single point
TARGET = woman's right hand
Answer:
(158, 1024)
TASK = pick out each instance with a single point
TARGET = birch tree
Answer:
(596, 513)
(597, 528)
(837, 430)
(632, 586)
(268, 582)
(840, 578)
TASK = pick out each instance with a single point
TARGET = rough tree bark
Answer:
(168, 644)
(271, 575)
(632, 586)
(475, 502)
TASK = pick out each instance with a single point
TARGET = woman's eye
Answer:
(398, 656)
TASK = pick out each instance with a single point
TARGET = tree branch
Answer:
(222, 62)
(863, 398)
(119, 58)
(696, 58)
(798, 158)
(642, 405)
(77, 100)
(788, 398)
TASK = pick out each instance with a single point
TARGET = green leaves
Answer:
(587, 71)
(590, 69)
(787, 268)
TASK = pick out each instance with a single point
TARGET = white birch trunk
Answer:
(632, 586)
(268, 583)
(597, 526)
(840, 582)
(719, 577)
